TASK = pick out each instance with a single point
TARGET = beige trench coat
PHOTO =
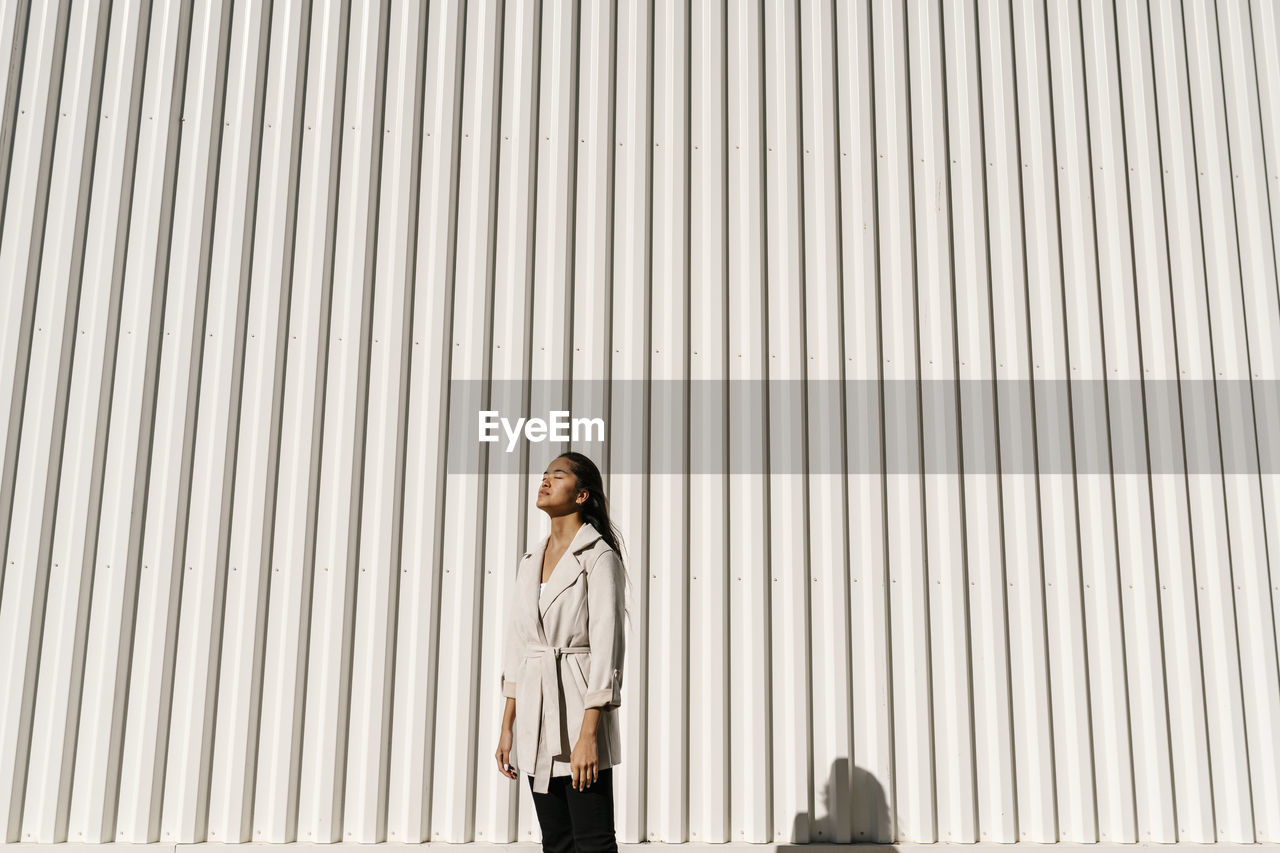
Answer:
(562, 654)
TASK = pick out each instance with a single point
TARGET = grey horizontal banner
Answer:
(868, 426)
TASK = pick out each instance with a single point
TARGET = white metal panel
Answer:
(1108, 599)
(1260, 317)
(631, 333)
(1042, 643)
(137, 814)
(97, 756)
(247, 371)
(511, 817)
(32, 394)
(789, 525)
(984, 645)
(909, 784)
(749, 721)
(471, 352)
(288, 130)
(1143, 574)
(1074, 636)
(944, 592)
(710, 748)
(871, 758)
(75, 415)
(666, 796)
(1192, 719)
(1227, 359)
(255, 256)
(829, 622)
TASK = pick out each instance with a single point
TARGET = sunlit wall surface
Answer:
(250, 249)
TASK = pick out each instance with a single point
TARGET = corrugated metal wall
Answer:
(247, 246)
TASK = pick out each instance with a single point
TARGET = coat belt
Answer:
(548, 670)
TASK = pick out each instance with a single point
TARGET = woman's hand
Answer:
(503, 754)
(582, 763)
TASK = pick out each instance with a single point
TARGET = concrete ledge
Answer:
(649, 847)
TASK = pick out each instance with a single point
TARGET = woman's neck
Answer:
(564, 528)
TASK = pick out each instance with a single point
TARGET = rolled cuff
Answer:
(606, 697)
(508, 688)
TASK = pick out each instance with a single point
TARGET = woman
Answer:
(563, 651)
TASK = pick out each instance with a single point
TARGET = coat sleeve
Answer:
(510, 645)
(606, 590)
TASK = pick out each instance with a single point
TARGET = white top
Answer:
(540, 586)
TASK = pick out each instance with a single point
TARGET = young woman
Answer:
(563, 650)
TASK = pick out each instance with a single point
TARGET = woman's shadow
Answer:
(851, 809)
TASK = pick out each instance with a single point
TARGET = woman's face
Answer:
(558, 494)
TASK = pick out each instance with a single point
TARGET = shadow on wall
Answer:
(850, 807)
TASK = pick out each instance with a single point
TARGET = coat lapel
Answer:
(565, 572)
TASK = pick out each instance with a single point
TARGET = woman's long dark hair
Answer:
(596, 509)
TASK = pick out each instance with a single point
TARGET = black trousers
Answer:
(580, 821)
